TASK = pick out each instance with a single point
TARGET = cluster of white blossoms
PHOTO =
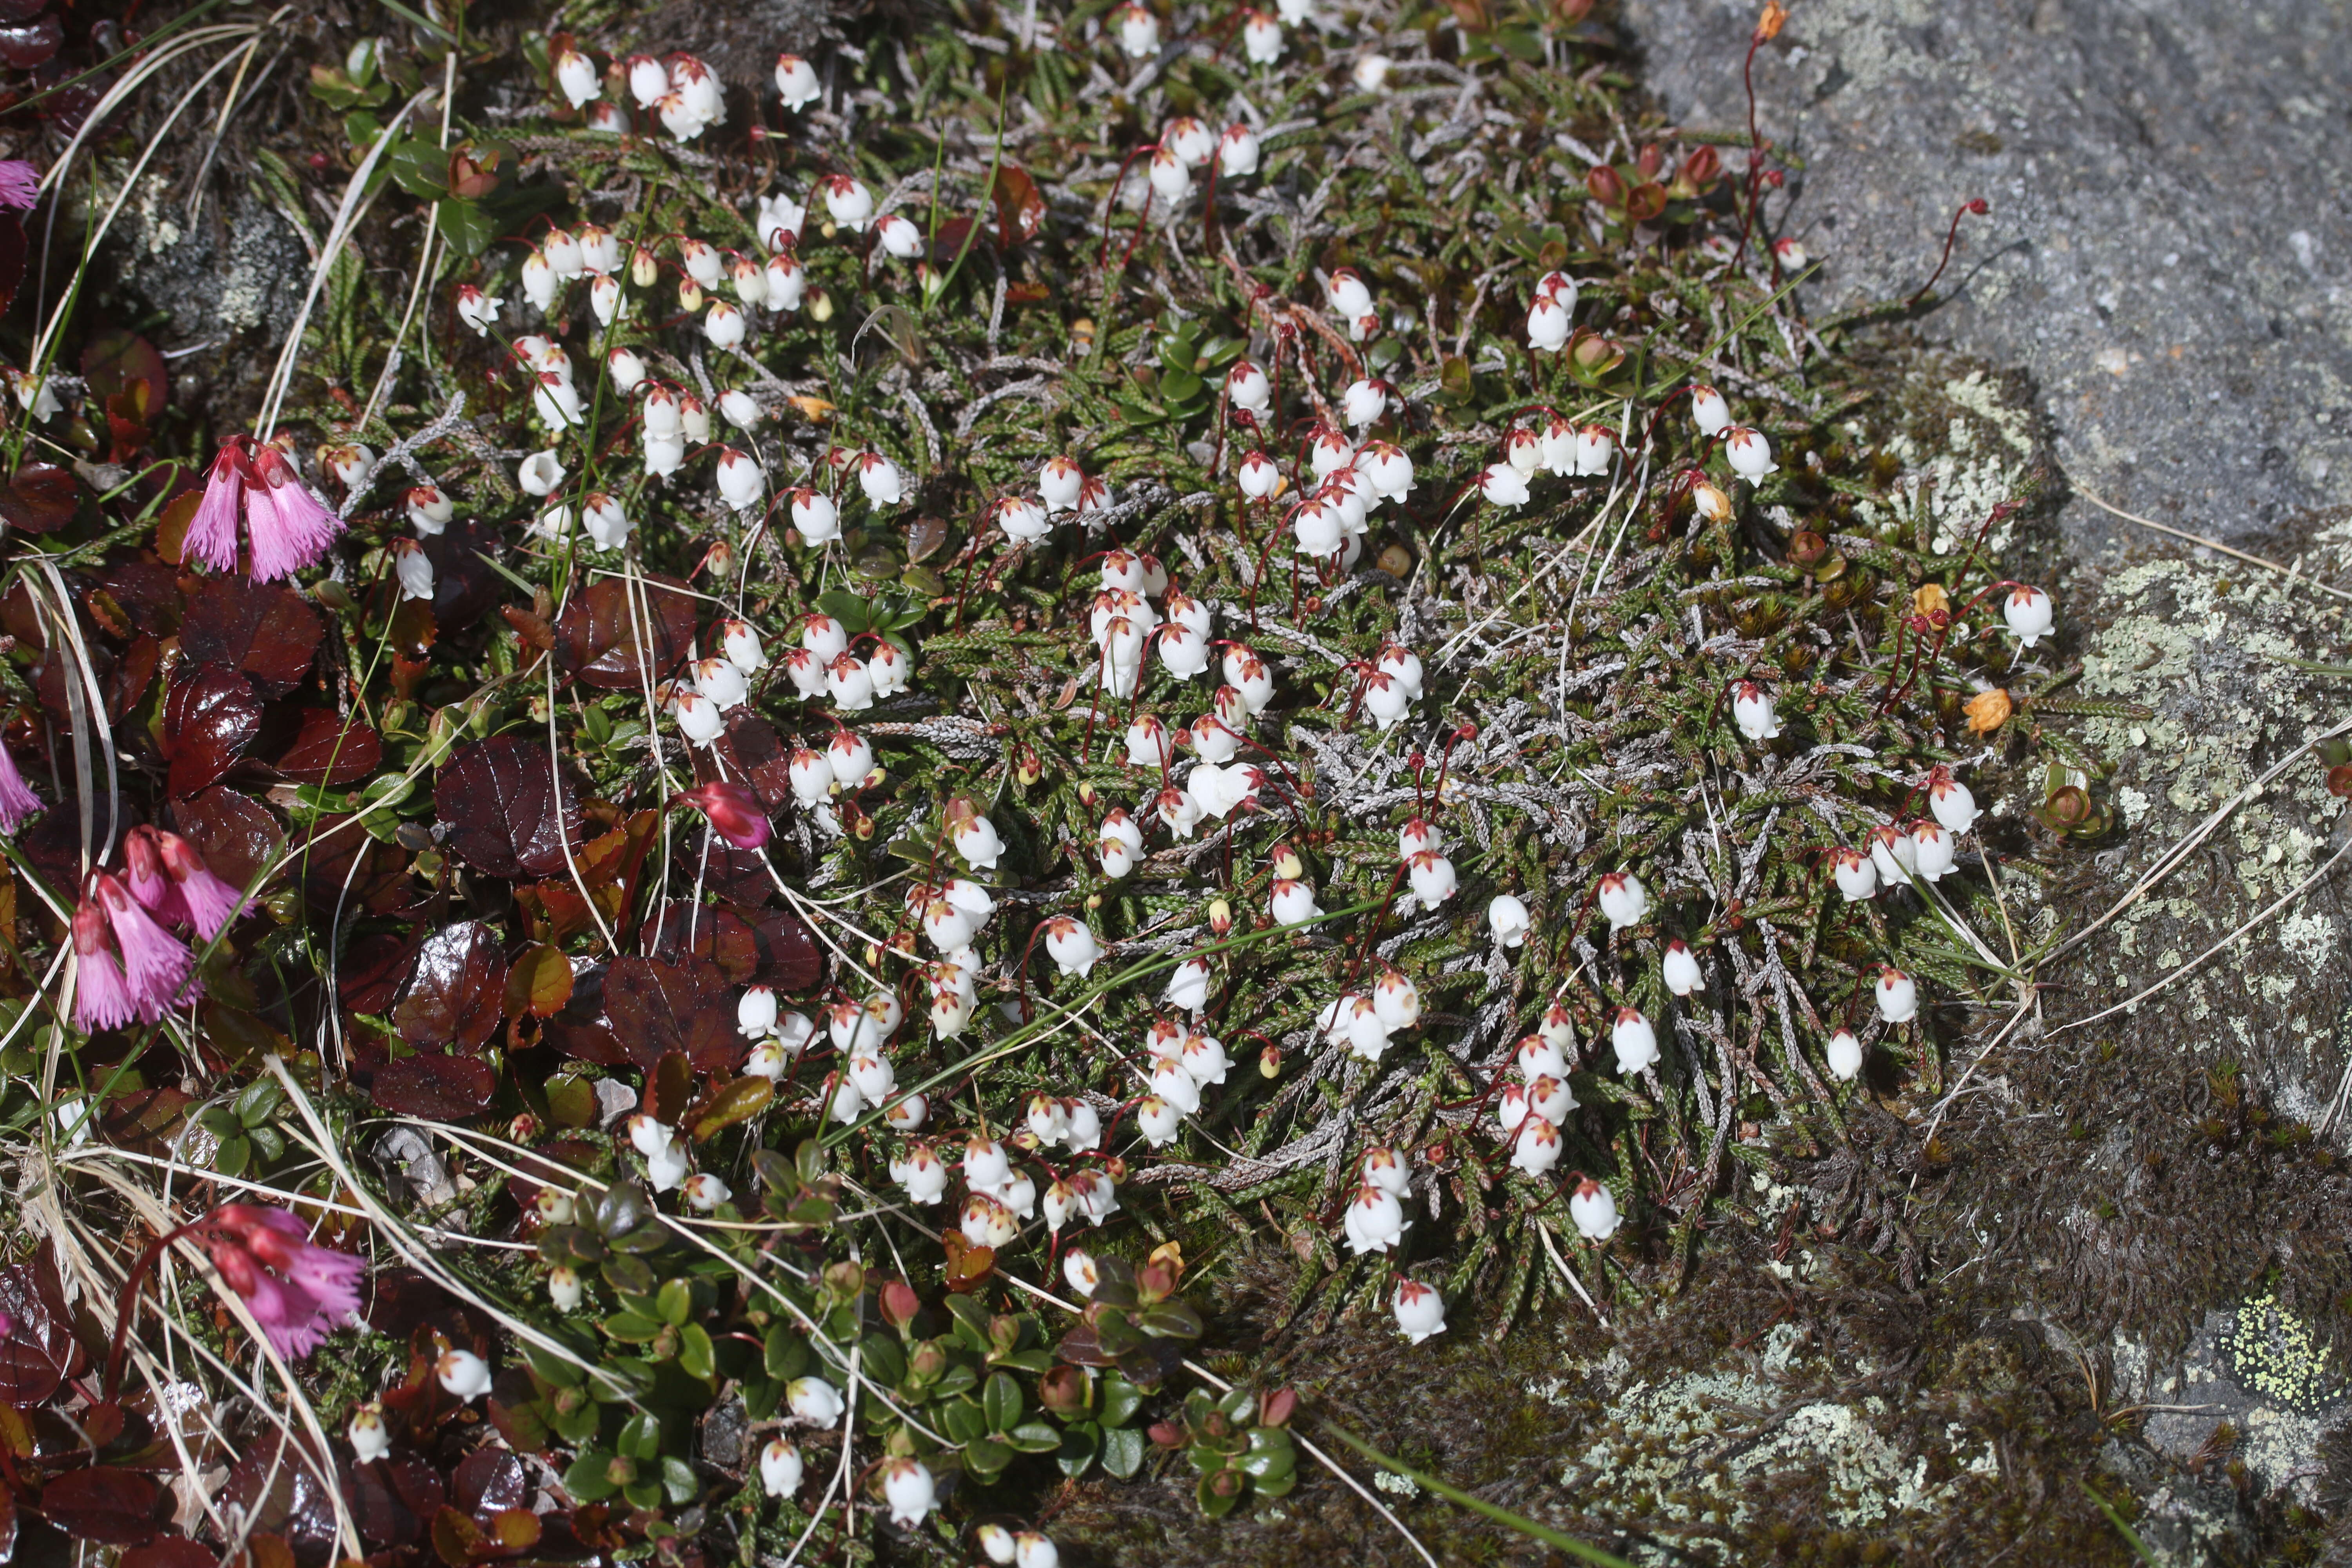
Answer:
(1323, 491)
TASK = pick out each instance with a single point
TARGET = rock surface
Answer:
(2167, 252)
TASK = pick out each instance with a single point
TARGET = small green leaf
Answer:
(1120, 1400)
(1034, 1438)
(677, 1479)
(694, 1355)
(1080, 1444)
(985, 1457)
(676, 1300)
(1001, 1401)
(589, 1478)
(640, 1436)
(786, 1353)
(1123, 1452)
(631, 1328)
(231, 1157)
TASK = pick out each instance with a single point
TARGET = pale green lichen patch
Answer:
(2272, 1353)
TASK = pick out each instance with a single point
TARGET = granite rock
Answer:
(2165, 252)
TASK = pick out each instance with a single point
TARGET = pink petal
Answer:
(17, 801)
(101, 1001)
(212, 532)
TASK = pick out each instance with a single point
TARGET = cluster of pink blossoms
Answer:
(130, 966)
(287, 528)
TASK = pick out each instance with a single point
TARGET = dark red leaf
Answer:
(455, 992)
(109, 1506)
(465, 589)
(757, 755)
(58, 683)
(22, 10)
(32, 44)
(488, 1481)
(443, 1087)
(331, 749)
(1020, 206)
(41, 498)
(380, 885)
(391, 1499)
(210, 718)
(509, 811)
(282, 1495)
(264, 629)
(580, 1029)
(127, 686)
(235, 833)
(148, 591)
(598, 640)
(654, 1008)
(39, 1350)
(112, 360)
(788, 955)
(764, 947)
(168, 1550)
(370, 973)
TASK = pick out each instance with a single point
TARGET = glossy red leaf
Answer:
(756, 754)
(31, 44)
(455, 991)
(773, 949)
(235, 833)
(261, 628)
(430, 1085)
(169, 1551)
(654, 1008)
(331, 749)
(601, 642)
(371, 969)
(488, 1481)
(148, 591)
(41, 498)
(211, 718)
(282, 1495)
(103, 1504)
(114, 360)
(508, 811)
(39, 1352)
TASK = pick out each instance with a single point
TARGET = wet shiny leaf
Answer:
(455, 991)
(210, 718)
(509, 811)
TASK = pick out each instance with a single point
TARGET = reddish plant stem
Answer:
(1979, 207)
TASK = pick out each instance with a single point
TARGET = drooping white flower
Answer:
(1420, 1310)
(780, 1468)
(1752, 711)
(1633, 1041)
(1680, 969)
(2029, 613)
(1844, 1055)
(1594, 1210)
(1751, 453)
(1855, 873)
(1623, 900)
(1897, 997)
(797, 81)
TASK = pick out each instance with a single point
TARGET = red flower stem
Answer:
(1951, 237)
